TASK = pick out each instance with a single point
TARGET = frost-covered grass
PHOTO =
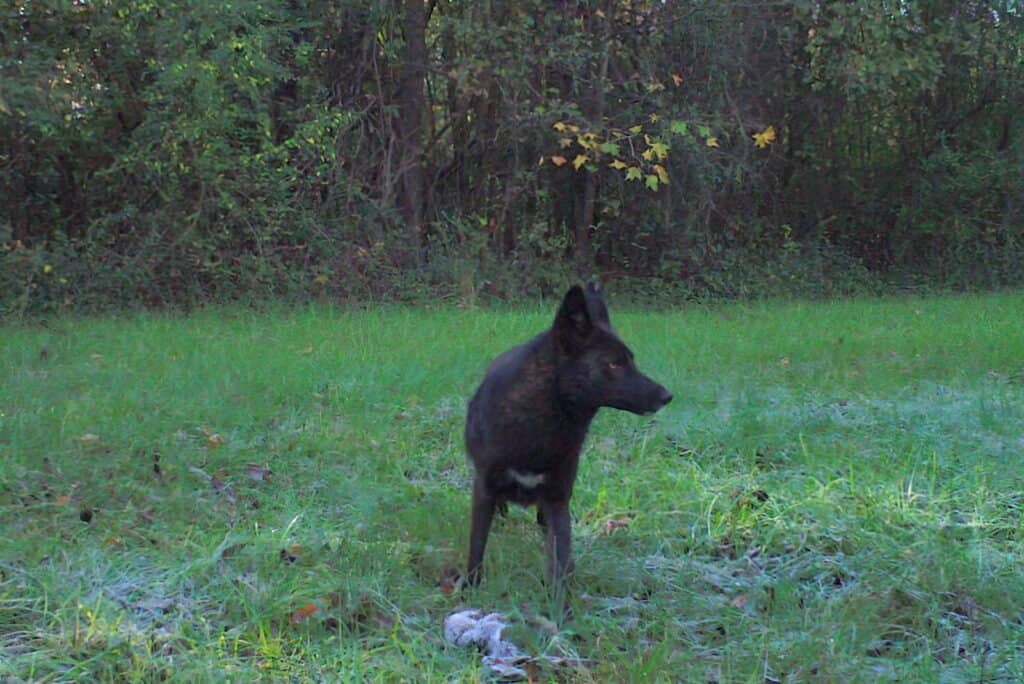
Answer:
(835, 494)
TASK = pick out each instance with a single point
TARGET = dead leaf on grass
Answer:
(304, 613)
(223, 488)
(254, 471)
(451, 581)
(89, 438)
(292, 553)
(613, 525)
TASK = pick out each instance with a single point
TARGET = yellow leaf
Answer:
(654, 117)
(765, 137)
(618, 164)
(564, 142)
(600, 13)
(648, 154)
(559, 126)
(636, 129)
(580, 160)
(558, 160)
(573, 128)
(711, 142)
(320, 279)
(677, 79)
(662, 173)
(47, 268)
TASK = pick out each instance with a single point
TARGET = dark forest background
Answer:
(171, 152)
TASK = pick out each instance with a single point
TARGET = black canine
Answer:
(527, 421)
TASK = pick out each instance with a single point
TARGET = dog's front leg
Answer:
(559, 539)
(480, 527)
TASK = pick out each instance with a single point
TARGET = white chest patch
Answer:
(527, 480)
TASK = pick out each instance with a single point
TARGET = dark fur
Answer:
(528, 419)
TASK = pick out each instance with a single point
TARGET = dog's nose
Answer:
(666, 396)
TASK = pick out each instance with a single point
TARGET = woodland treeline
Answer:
(176, 151)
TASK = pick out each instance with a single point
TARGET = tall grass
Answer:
(835, 495)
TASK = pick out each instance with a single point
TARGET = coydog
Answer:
(527, 421)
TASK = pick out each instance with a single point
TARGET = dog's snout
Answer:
(665, 397)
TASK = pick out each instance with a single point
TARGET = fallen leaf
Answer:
(214, 441)
(257, 472)
(309, 350)
(223, 488)
(302, 614)
(451, 581)
(88, 437)
(613, 525)
(292, 553)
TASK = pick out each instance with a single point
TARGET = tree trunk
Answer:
(411, 105)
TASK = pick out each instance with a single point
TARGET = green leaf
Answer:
(651, 181)
(704, 131)
(679, 127)
(610, 148)
(633, 173)
(660, 149)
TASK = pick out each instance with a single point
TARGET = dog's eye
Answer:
(614, 365)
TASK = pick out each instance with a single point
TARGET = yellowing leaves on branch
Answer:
(765, 137)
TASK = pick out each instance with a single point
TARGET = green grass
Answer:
(835, 494)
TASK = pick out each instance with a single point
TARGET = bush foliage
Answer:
(173, 152)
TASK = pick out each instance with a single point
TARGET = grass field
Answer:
(836, 494)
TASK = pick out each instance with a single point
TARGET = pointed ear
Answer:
(573, 323)
(596, 306)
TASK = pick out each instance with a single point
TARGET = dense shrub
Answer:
(177, 152)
